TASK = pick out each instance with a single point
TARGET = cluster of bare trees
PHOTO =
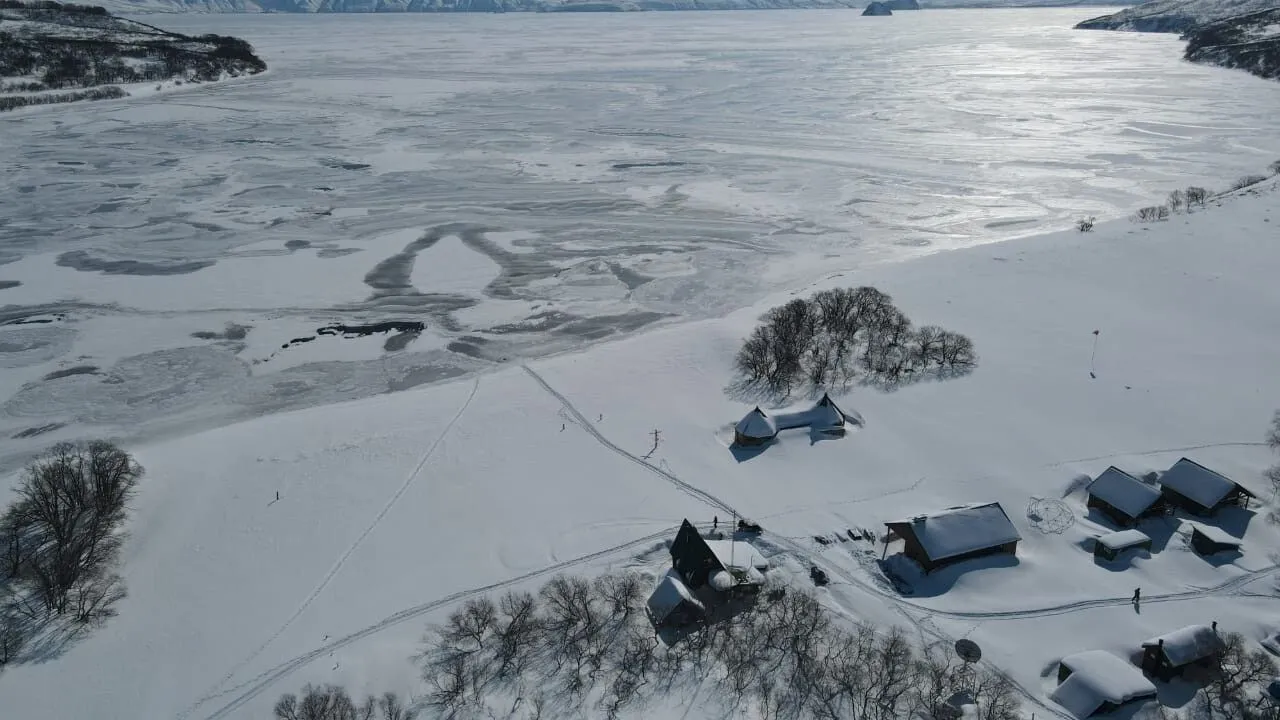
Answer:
(1179, 201)
(836, 336)
(578, 645)
(60, 539)
(331, 702)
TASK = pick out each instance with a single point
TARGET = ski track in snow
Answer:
(256, 685)
(346, 554)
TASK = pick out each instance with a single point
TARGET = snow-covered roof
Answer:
(1123, 539)
(737, 555)
(825, 414)
(668, 596)
(1214, 534)
(963, 529)
(1123, 491)
(757, 424)
(1099, 677)
(1188, 644)
(723, 580)
(1197, 482)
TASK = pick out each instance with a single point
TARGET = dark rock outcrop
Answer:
(877, 9)
(1251, 43)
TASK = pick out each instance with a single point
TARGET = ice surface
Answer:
(1124, 492)
(1099, 677)
(1197, 482)
(584, 177)
(959, 530)
(1188, 644)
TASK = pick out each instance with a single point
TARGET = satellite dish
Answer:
(968, 650)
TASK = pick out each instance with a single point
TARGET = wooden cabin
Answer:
(956, 534)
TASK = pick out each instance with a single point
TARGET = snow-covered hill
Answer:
(1174, 15)
(1248, 42)
(394, 508)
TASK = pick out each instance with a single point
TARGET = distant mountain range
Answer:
(374, 6)
(1243, 34)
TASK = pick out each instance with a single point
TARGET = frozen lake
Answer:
(525, 183)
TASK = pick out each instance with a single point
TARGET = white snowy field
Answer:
(393, 508)
(525, 185)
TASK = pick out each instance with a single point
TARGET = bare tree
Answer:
(330, 702)
(956, 351)
(1247, 181)
(1085, 225)
(1177, 200)
(516, 633)
(1274, 167)
(13, 634)
(1151, 213)
(996, 697)
(1273, 432)
(1196, 196)
(1238, 673)
(390, 707)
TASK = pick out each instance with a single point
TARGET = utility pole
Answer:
(657, 437)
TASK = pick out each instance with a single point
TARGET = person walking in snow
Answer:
(1137, 595)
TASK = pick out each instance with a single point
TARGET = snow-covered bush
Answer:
(1085, 225)
(1274, 167)
(1153, 213)
(1177, 200)
(836, 336)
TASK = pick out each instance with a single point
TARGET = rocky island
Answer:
(55, 53)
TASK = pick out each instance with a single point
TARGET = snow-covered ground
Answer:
(393, 508)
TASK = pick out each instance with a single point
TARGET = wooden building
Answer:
(1200, 491)
(1123, 498)
(756, 428)
(1096, 681)
(1173, 654)
(727, 566)
(1111, 545)
(956, 534)
(1208, 540)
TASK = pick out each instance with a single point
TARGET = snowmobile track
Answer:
(256, 685)
(346, 554)
(586, 424)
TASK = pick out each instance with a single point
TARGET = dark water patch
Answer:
(399, 341)
(621, 132)
(653, 164)
(323, 188)
(424, 375)
(297, 244)
(107, 207)
(232, 331)
(7, 284)
(596, 328)
(297, 341)
(209, 227)
(628, 277)
(336, 252)
(467, 346)
(84, 262)
(402, 326)
(34, 431)
(24, 189)
(337, 164)
(70, 162)
(77, 370)
(538, 322)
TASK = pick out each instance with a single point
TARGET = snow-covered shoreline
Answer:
(392, 505)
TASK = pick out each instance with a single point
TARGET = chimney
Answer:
(1162, 643)
(1215, 626)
